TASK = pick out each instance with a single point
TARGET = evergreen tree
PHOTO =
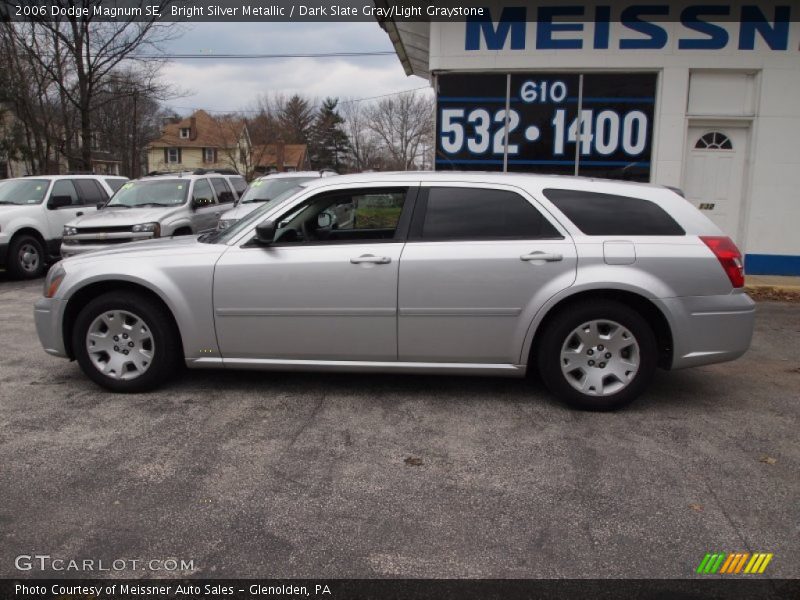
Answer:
(329, 141)
(296, 118)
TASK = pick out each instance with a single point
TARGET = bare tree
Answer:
(232, 131)
(366, 151)
(130, 115)
(80, 54)
(33, 99)
(404, 124)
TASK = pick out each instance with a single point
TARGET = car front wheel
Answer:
(126, 342)
(598, 355)
(26, 257)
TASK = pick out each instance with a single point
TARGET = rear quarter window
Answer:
(596, 213)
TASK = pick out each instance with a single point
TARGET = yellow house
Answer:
(201, 142)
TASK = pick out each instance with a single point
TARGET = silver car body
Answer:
(110, 226)
(446, 307)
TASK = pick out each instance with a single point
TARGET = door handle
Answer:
(371, 259)
(79, 213)
(537, 257)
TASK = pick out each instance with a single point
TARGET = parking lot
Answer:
(308, 475)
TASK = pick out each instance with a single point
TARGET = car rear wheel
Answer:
(598, 355)
(26, 257)
(126, 342)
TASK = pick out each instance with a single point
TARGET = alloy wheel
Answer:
(120, 344)
(600, 357)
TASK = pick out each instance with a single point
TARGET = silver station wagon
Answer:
(590, 284)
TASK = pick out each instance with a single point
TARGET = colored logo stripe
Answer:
(733, 563)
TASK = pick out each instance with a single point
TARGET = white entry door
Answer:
(715, 173)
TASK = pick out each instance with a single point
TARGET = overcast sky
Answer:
(229, 85)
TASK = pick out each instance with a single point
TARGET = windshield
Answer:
(151, 192)
(225, 235)
(23, 191)
(264, 190)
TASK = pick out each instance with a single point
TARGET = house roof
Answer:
(206, 132)
(266, 155)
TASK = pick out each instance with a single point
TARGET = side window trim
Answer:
(421, 209)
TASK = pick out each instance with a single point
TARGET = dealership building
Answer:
(701, 96)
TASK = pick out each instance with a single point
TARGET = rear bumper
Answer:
(47, 315)
(709, 329)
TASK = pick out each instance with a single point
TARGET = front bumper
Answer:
(709, 329)
(47, 315)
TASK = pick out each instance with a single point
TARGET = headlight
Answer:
(225, 223)
(153, 228)
(53, 280)
(70, 230)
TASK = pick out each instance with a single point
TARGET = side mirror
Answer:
(59, 201)
(265, 233)
(324, 220)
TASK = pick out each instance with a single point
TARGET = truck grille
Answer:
(118, 229)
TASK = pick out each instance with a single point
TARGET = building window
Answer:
(714, 140)
(209, 155)
(185, 132)
(173, 156)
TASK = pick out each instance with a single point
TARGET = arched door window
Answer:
(714, 140)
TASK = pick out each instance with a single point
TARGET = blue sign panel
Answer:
(613, 138)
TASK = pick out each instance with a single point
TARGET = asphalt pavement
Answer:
(320, 475)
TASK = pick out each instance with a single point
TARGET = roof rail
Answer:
(218, 171)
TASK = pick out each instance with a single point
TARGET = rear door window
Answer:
(224, 193)
(90, 191)
(239, 184)
(115, 184)
(608, 214)
(460, 213)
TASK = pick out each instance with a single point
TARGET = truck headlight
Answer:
(53, 280)
(70, 230)
(225, 223)
(153, 228)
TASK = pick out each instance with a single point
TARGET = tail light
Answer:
(728, 256)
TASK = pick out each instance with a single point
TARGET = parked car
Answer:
(266, 189)
(160, 205)
(34, 210)
(592, 284)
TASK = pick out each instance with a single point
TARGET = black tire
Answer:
(23, 250)
(182, 231)
(166, 345)
(561, 328)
